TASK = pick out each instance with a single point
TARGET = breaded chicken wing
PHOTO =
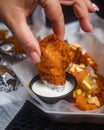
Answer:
(51, 66)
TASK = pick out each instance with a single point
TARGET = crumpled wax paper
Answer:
(92, 42)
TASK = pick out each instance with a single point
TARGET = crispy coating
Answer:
(52, 67)
(62, 46)
(11, 39)
(82, 103)
(2, 34)
(17, 47)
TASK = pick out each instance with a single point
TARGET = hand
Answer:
(14, 14)
(82, 8)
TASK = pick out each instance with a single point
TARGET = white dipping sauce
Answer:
(41, 89)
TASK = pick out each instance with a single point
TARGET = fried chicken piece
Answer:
(17, 47)
(62, 46)
(51, 66)
(82, 103)
(2, 34)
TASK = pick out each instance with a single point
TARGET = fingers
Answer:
(91, 6)
(82, 8)
(81, 11)
(54, 13)
(23, 34)
(66, 2)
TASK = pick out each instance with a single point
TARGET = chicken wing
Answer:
(55, 58)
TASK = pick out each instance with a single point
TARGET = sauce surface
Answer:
(41, 89)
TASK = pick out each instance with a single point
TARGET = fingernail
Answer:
(35, 57)
(95, 6)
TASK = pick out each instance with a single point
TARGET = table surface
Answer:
(10, 104)
(30, 118)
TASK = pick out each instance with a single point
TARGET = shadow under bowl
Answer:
(53, 99)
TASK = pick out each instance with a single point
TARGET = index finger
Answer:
(54, 12)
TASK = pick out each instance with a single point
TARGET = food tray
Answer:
(73, 117)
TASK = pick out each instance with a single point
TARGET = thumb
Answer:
(24, 35)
